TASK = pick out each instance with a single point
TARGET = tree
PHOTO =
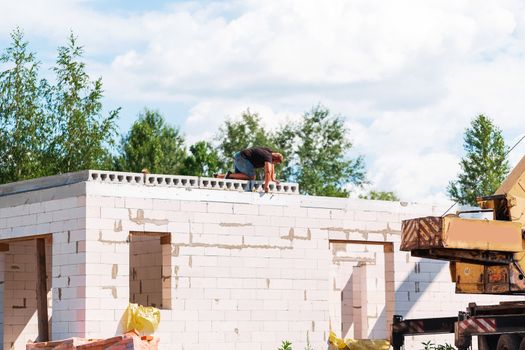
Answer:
(82, 135)
(284, 140)
(236, 135)
(314, 149)
(484, 166)
(152, 144)
(381, 196)
(24, 131)
(321, 164)
(203, 160)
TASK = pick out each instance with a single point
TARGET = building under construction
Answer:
(228, 265)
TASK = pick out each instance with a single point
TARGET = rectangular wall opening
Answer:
(20, 272)
(362, 295)
(150, 269)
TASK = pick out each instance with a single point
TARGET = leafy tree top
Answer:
(238, 134)
(380, 195)
(321, 164)
(82, 133)
(483, 166)
(24, 127)
(202, 160)
(153, 144)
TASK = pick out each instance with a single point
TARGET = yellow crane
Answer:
(487, 256)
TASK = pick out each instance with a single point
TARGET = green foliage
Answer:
(484, 166)
(314, 149)
(321, 164)
(152, 144)
(286, 345)
(48, 128)
(429, 345)
(284, 140)
(203, 160)
(24, 131)
(236, 135)
(380, 195)
(246, 132)
(82, 135)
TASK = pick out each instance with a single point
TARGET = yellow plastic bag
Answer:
(358, 344)
(142, 318)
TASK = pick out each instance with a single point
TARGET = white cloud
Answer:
(205, 118)
(408, 75)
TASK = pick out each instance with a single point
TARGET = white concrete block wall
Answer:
(242, 274)
(60, 214)
(255, 270)
(241, 269)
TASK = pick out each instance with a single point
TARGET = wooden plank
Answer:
(165, 239)
(24, 239)
(41, 290)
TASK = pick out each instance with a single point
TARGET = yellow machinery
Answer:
(486, 256)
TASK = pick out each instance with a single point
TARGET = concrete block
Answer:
(223, 184)
(112, 213)
(245, 209)
(102, 201)
(282, 221)
(220, 207)
(230, 283)
(282, 188)
(172, 181)
(139, 203)
(321, 213)
(271, 210)
(194, 206)
(213, 293)
(44, 218)
(115, 177)
(199, 326)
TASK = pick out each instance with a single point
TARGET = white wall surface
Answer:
(243, 269)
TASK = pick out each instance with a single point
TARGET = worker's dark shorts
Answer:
(243, 165)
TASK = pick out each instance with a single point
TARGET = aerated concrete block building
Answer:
(229, 267)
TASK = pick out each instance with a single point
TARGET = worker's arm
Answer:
(269, 175)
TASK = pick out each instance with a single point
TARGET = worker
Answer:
(245, 162)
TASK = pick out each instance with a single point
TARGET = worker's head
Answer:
(277, 158)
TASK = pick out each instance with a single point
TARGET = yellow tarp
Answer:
(142, 318)
(358, 344)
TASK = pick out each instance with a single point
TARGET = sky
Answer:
(407, 76)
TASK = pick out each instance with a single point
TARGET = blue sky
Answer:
(126, 6)
(407, 75)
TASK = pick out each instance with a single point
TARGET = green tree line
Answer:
(57, 125)
(53, 126)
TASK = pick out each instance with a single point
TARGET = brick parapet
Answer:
(144, 179)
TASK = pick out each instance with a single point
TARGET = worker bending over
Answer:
(245, 162)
